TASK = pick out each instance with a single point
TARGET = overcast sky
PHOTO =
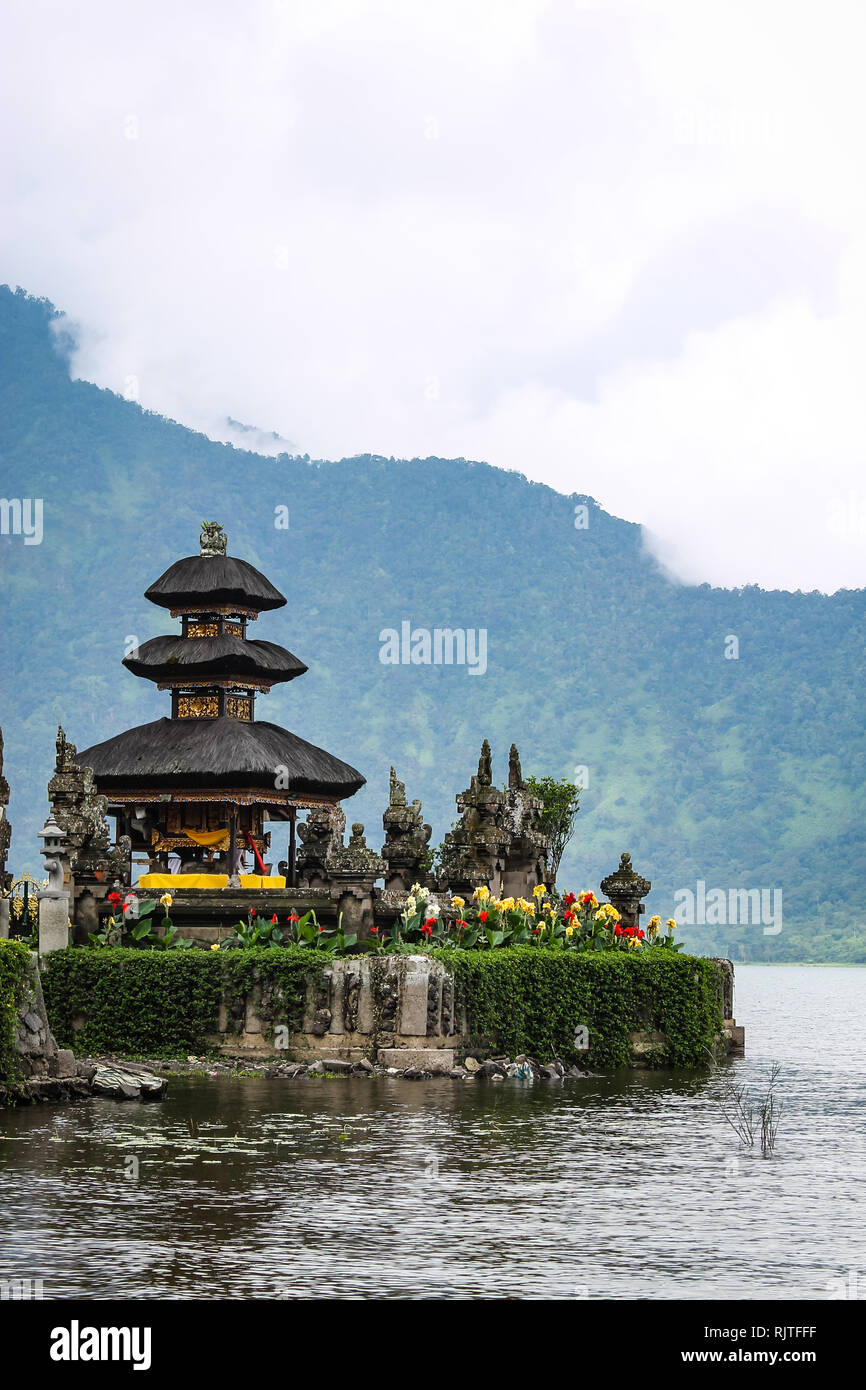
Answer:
(616, 246)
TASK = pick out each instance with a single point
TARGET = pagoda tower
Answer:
(201, 783)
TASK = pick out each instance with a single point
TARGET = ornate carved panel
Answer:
(197, 706)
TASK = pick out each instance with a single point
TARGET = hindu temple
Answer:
(230, 813)
(202, 785)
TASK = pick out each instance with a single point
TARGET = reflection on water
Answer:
(621, 1187)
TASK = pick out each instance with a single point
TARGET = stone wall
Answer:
(362, 1007)
(397, 1010)
(45, 1071)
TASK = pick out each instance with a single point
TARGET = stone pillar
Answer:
(526, 854)
(54, 900)
(473, 852)
(4, 918)
(625, 889)
(405, 849)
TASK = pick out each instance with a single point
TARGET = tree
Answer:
(561, 805)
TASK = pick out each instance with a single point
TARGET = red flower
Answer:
(536, 931)
(293, 917)
(568, 917)
(640, 936)
(427, 929)
(321, 928)
(114, 898)
(618, 930)
(274, 920)
(482, 916)
(461, 923)
(569, 899)
(126, 907)
(252, 912)
(374, 931)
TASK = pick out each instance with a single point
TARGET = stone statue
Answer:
(485, 771)
(321, 835)
(515, 773)
(213, 539)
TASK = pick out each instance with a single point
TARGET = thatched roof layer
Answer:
(217, 753)
(214, 581)
(195, 658)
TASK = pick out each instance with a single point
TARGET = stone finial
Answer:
(625, 889)
(213, 539)
(66, 751)
(355, 860)
(397, 795)
(515, 772)
(485, 768)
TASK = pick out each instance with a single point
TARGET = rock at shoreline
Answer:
(127, 1083)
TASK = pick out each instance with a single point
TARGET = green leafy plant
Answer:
(15, 969)
(300, 931)
(561, 805)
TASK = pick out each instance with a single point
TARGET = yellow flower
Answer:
(539, 890)
(569, 931)
(458, 902)
(671, 924)
(481, 894)
(530, 909)
(166, 900)
(507, 904)
(215, 946)
(655, 921)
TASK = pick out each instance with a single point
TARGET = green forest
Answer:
(740, 773)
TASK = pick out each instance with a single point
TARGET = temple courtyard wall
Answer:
(602, 1010)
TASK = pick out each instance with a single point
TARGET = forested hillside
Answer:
(743, 773)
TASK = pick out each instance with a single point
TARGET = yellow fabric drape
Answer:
(168, 881)
(209, 839)
(262, 881)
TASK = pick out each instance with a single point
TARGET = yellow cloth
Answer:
(168, 881)
(209, 839)
(262, 881)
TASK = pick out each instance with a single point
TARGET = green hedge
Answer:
(14, 976)
(164, 1003)
(522, 999)
(518, 999)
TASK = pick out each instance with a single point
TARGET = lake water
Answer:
(623, 1187)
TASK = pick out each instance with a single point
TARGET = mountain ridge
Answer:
(741, 773)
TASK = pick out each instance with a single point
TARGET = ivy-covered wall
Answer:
(14, 976)
(509, 1001)
(526, 1000)
(168, 1002)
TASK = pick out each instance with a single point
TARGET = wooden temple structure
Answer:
(193, 794)
(202, 784)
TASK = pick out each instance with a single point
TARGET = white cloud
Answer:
(613, 246)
